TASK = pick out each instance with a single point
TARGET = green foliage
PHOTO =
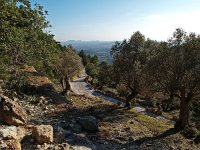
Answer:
(23, 36)
(94, 59)
(91, 70)
(88, 58)
(105, 74)
(174, 70)
(21, 29)
(67, 66)
(91, 65)
(19, 82)
(122, 90)
(161, 70)
(85, 59)
(129, 63)
(25, 39)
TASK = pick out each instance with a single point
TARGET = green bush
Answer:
(21, 83)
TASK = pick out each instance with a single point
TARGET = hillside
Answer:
(86, 122)
(99, 48)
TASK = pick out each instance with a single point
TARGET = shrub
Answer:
(21, 83)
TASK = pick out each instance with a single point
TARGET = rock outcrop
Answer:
(88, 123)
(43, 134)
(11, 112)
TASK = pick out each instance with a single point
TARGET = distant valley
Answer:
(99, 48)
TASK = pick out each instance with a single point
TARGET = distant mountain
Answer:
(99, 48)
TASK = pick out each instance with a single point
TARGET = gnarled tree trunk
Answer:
(133, 94)
(184, 113)
(65, 82)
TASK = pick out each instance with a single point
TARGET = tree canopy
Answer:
(68, 65)
(175, 70)
(129, 62)
(25, 39)
(24, 35)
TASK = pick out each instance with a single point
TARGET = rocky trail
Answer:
(81, 87)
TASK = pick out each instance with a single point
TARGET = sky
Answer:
(115, 20)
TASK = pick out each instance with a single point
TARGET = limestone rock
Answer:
(80, 148)
(21, 132)
(43, 133)
(88, 123)
(8, 133)
(12, 133)
(12, 113)
(30, 69)
(10, 145)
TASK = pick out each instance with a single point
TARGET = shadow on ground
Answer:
(115, 119)
(158, 137)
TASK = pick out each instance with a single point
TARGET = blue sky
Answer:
(109, 20)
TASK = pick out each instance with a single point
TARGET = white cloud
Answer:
(157, 26)
(161, 26)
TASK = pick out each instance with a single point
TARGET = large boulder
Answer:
(11, 112)
(88, 123)
(43, 134)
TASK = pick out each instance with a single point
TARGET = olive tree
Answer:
(129, 63)
(175, 70)
(68, 65)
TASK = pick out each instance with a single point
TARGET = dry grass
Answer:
(152, 123)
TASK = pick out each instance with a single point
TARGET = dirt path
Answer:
(80, 87)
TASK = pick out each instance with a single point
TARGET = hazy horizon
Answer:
(115, 20)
